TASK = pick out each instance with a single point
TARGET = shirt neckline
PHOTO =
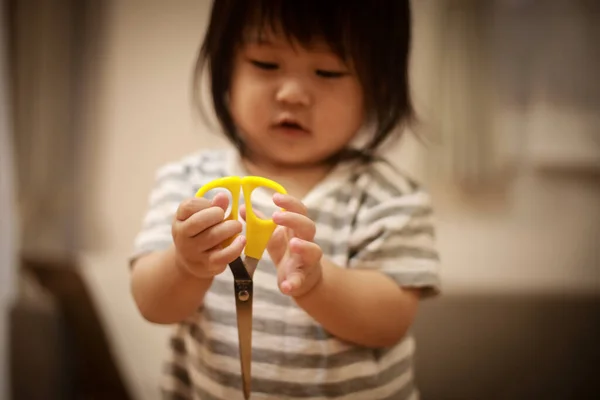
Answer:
(335, 179)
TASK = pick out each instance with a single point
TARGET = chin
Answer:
(290, 160)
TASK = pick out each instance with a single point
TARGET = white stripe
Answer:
(395, 206)
(393, 178)
(265, 341)
(416, 266)
(301, 375)
(159, 234)
(160, 214)
(208, 385)
(174, 168)
(422, 241)
(173, 385)
(381, 392)
(396, 222)
(226, 392)
(170, 188)
(267, 311)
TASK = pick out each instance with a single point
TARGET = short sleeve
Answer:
(171, 187)
(396, 235)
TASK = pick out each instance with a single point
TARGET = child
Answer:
(308, 92)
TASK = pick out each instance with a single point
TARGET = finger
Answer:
(256, 212)
(229, 253)
(290, 274)
(292, 282)
(302, 226)
(289, 203)
(220, 200)
(215, 235)
(310, 253)
(277, 246)
(302, 258)
(190, 206)
(201, 221)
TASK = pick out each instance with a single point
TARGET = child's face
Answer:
(294, 105)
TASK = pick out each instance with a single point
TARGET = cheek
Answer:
(345, 108)
(247, 100)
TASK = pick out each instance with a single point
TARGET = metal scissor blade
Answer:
(251, 263)
(244, 323)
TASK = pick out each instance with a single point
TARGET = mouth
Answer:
(291, 126)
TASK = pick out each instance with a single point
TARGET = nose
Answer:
(293, 92)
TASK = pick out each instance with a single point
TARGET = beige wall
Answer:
(544, 237)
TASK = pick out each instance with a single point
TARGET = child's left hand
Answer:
(296, 256)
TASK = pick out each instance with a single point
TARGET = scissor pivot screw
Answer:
(243, 295)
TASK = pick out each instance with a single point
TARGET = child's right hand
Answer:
(198, 231)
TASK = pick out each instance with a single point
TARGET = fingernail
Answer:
(286, 287)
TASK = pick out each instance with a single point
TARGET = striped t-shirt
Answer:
(366, 217)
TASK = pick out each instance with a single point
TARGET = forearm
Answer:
(360, 306)
(163, 292)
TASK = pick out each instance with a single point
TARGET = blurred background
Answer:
(95, 95)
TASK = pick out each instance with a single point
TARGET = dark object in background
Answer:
(61, 351)
(509, 347)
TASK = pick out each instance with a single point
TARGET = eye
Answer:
(330, 74)
(264, 65)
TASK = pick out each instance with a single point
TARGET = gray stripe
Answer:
(268, 326)
(268, 295)
(169, 197)
(338, 222)
(405, 232)
(286, 359)
(299, 361)
(429, 281)
(181, 175)
(176, 373)
(389, 186)
(404, 393)
(179, 373)
(186, 168)
(413, 211)
(398, 252)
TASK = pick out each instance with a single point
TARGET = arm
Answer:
(361, 306)
(169, 285)
(364, 303)
(164, 291)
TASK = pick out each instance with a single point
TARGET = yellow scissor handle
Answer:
(231, 183)
(258, 230)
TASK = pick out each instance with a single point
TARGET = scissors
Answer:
(258, 233)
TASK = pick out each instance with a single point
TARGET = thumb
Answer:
(220, 200)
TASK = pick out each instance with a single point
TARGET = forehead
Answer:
(276, 40)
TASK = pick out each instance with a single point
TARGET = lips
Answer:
(290, 125)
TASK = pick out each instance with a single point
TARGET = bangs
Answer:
(300, 22)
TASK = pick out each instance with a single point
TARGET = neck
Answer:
(298, 180)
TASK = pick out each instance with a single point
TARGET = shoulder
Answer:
(385, 183)
(205, 161)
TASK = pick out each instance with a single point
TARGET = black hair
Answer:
(375, 35)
